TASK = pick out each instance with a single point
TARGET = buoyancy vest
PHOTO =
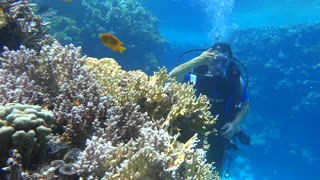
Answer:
(224, 93)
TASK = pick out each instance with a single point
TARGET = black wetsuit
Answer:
(224, 94)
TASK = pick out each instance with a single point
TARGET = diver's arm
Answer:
(231, 128)
(179, 71)
(241, 114)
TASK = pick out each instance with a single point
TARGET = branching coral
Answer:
(3, 19)
(19, 25)
(119, 124)
(189, 114)
(126, 116)
(108, 73)
(172, 105)
(38, 77)
(126, 86)
(154, 155)
(14, 166)
(54, 77)
(145, 107)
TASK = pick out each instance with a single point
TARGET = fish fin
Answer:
(121, 48)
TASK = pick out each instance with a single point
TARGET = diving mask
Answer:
(218, 66)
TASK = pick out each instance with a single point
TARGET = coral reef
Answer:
(54, 78)
(3, 19)
(118, 112)
(65, 30)
(14, 166)
(34, 78)
(309, 103)
(19, 25)
(284, 75)
(154, 155)
(174, 106)
(288, 55)
(54, 99)
(128, 20)
(25, 128)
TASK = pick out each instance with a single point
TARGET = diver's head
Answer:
(222, 48)
(218, 66)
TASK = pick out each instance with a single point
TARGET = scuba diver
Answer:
(216, 74)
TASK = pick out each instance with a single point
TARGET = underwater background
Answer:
(277, 41)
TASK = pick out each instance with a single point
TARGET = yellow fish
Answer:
(76, 102)
(112, 42)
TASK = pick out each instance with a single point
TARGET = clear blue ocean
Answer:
(277, 41)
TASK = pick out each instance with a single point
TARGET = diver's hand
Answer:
(205, 57)
(229, 129)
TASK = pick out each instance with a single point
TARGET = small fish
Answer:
(112, 42)
(76, 102)
(67, 0)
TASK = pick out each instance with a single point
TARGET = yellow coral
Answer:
(186, 148)
(126, 86)
(191, 160)
(138, 86)
(172, 106)
(137, 167)
(159, 95)
(107, 72)
(3, 19)
(189, 110)
(147, 163)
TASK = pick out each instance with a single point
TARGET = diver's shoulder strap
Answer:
(192, 78)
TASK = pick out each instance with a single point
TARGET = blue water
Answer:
(283, 120)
